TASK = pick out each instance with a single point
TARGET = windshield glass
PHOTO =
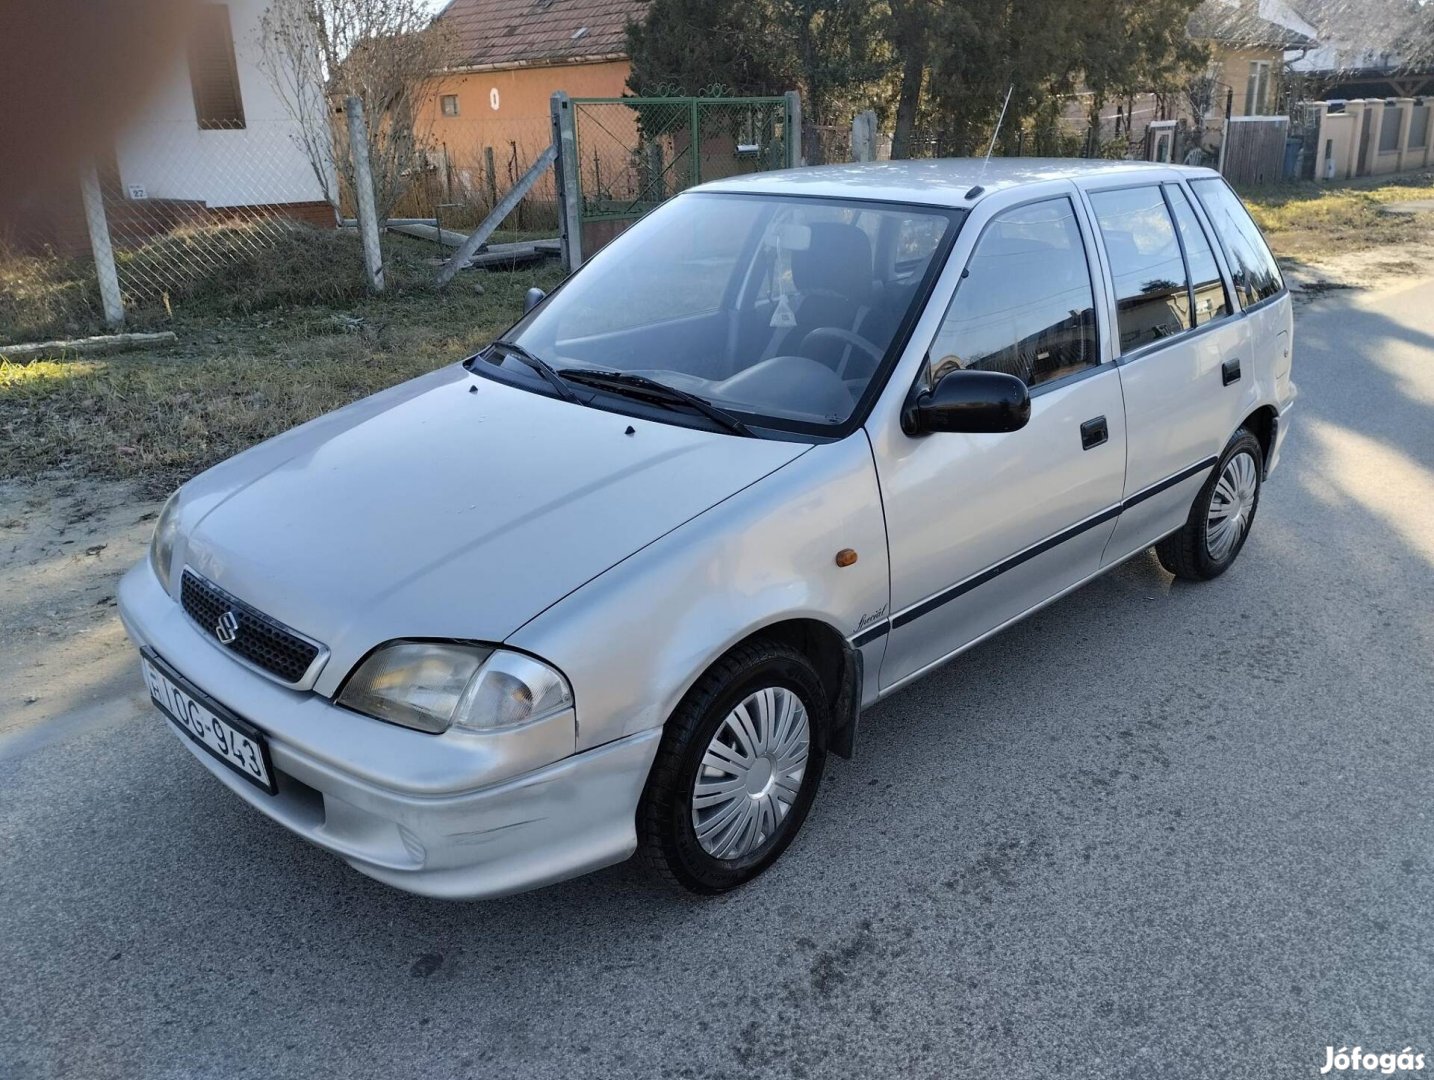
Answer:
(780, 310)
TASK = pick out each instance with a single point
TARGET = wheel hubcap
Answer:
(1231, 504)
(751, 773)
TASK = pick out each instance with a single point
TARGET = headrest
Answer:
(838, 260)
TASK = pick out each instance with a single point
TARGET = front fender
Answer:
(634, 639)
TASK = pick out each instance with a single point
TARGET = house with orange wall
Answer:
(511, 56)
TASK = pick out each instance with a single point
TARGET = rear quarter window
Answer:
(1256, 274)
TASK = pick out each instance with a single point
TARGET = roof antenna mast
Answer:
(996, 134)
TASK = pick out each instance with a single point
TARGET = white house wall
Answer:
(164, 154)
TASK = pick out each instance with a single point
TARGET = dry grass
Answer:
(248, 367)
(288, 334)
(1308, 220)
(43, 296)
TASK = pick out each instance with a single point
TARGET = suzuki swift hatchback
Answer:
(622, 580)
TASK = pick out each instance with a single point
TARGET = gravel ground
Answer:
(1157, 830)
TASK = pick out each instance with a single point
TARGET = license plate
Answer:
(235, 742)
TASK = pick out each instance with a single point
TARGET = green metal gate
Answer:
(633, 152)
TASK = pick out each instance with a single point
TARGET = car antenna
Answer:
(994, 135)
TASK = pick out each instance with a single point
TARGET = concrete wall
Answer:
(1349, 142)
(166, 155)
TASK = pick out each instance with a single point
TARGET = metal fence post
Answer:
(694, 147)
(863, 136)
(363, 192)
(565, 141)
(795, 159)
(100, 245)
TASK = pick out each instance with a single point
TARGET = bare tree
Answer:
(388, 53)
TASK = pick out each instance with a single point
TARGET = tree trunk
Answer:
(913, 73)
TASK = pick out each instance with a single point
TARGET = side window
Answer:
(1211, 303)
(1151, 294)
(1025, 305)
(1256, 274)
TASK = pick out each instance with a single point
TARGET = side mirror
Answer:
(975, 402)
(535, 297)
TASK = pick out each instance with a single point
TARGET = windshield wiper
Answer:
(542, 367)
(641, 386)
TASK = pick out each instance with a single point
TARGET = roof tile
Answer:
(525, 31)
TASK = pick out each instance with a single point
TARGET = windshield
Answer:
(783, 311)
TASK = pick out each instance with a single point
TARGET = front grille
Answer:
(264, 642)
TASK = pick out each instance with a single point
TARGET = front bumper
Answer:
(401, 806)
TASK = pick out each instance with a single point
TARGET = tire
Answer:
(1202, 549)
(667, 818)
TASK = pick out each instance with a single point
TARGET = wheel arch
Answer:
(838, 666)
(1263, 423)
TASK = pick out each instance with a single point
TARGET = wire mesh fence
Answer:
(182, 203)
(636, 152)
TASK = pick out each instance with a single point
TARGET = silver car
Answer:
(621, 581)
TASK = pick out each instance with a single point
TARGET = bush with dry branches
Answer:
(387, 53)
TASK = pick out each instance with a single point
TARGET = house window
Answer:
(449, 104)
(1257, 90)
(213, 73)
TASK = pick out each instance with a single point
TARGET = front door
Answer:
(984, 527)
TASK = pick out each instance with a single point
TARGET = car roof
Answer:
(938, 181)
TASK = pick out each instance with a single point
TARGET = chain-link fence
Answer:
(177, 206)
(635, 152)
(182, 203)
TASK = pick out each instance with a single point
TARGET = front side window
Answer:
(785, 311)
(1253, 267)
(1151, 292)
(1025, 305)
(1207, 288)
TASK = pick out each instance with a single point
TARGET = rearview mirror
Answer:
(976, 402)
(535, 297)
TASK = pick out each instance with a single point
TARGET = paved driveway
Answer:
(1154, 831)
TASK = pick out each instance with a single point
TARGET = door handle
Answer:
(1094, 432)
(1230, 371)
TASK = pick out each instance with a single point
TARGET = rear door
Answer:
(1259, 292)
(1178, 344)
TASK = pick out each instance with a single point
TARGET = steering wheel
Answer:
(845, 337)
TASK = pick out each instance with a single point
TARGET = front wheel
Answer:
(737, 770)
(1221, 515)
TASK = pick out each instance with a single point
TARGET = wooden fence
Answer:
(1253, 151)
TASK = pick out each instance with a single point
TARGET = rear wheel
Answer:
(737, 770)
(1221, 516)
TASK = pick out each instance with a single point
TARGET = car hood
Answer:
(452, 506)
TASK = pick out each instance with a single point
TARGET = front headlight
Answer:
(433, 685)
(161, 546)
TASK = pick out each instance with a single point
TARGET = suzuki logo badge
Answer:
(228, 628)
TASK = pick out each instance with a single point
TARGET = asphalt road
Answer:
(1155, 831)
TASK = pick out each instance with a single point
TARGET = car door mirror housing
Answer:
(975, 402)
(534, 297)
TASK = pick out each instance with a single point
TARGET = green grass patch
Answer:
(257, 355)
(1309, 220)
